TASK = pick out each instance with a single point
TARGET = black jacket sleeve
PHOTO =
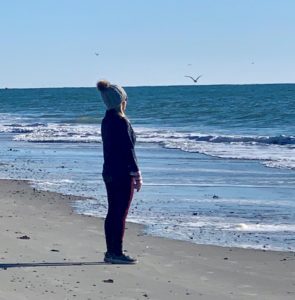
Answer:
(127, 137)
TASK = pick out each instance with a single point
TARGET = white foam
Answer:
(265, 227)
(56, 133)
(276, 151)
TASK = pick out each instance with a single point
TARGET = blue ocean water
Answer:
(218, 161)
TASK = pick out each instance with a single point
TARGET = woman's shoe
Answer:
(119, 259)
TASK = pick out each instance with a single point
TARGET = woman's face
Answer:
(124, 104)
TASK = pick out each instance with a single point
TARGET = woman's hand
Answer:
(137, 180)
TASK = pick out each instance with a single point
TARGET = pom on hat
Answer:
(102, 85)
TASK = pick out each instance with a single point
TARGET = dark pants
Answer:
(120, 194)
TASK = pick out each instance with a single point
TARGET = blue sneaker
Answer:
(119, 259)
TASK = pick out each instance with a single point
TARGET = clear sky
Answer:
(52, 43)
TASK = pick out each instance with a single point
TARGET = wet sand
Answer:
(48, 252)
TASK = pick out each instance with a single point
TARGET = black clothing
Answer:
(120, 194)
(119, 161)
(118, 146)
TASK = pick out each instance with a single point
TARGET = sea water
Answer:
(218, 161)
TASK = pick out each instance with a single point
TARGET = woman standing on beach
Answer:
(120, 170)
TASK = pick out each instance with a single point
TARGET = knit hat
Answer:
(112, 95)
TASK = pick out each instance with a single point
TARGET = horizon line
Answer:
(132, 86)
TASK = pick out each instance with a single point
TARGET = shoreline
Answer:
(50, 252)
(247, 191)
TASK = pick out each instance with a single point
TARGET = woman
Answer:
(120, 170)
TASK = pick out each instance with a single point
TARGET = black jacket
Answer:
(118, 140)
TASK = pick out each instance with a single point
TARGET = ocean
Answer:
(218, 161)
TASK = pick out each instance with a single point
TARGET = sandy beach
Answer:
(48, 252)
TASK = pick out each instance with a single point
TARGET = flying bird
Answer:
(96, 53)
(194, 79)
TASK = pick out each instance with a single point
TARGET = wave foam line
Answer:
(273, 151)
(265, 227)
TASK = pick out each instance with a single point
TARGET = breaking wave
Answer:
(273, 151)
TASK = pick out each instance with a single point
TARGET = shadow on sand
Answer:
(51, 264)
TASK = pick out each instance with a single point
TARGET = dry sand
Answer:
(48, 252)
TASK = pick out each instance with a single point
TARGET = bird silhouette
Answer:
(96, 53)
(194, 79)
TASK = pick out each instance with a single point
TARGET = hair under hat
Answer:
(112, 95)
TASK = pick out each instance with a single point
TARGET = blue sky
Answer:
(52, 43)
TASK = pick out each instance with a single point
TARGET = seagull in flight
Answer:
(96, 53)
(194, 79)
